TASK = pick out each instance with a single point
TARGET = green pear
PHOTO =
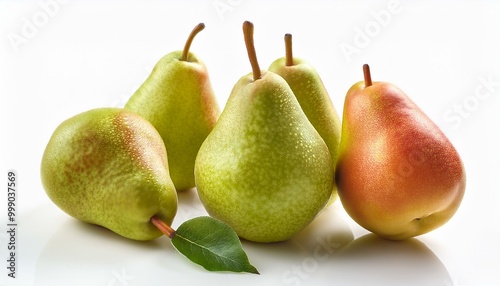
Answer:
(313, 97)
(178, 99)
(108, 166)
(264, 169)
(398, 175)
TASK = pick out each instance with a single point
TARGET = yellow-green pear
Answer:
(398, 175)
(178, 99)
(313, 97)
(108, 166)
(264, 169)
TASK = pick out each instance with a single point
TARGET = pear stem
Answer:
(163, 227)
(368, 77)
(288, 50)
(195, 31)
(248, 35)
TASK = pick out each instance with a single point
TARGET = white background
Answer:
(60, 58)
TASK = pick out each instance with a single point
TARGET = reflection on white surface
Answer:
(83, 254)
(377, 261)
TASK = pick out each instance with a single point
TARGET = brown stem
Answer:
(288, 49)
(163, 227)
(248, 35)
(195, 31)
(368, 77)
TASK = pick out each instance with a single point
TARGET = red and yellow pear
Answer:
(397, 175)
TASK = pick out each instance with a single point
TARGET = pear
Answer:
(398, 175)
(108, 166)
(264, 169)
(178, 99)
(313, 97)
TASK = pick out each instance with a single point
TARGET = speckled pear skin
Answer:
(264, 169)
(108, 166)
(398, 175)
(178, 99)
(315, 101)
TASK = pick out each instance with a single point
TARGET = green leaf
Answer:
(212, 244)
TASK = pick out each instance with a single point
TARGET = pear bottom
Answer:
(263, 210)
